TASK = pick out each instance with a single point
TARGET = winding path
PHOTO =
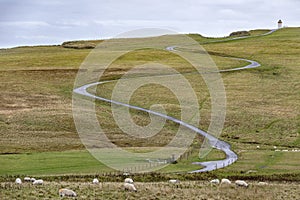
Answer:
(231, 157)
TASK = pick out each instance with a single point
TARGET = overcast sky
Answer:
(30, 22)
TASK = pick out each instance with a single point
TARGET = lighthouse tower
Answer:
(279, 24)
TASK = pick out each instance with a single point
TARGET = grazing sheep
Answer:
(225, 181)
(95, 181)
(27, 179)
(66, 192)
(174, 181)
(262, 183)
(251, 171)
(215, 181)
(130, 187)
(258, 147)
(241, 183)
(32, 179)
(38, 182)
(18, 181)
(128, 180)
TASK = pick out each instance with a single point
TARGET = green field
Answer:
(38, 135)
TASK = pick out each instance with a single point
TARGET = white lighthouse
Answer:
(279, 24)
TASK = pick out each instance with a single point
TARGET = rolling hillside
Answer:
(36, 121)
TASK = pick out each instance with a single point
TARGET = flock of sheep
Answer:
(228, 182)
(240, 183)
(282, 150)
(64, 192)
(28, 179)
(129, 184)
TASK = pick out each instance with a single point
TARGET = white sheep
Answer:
(128, 180)
(225, 181)
(27, 179)
(95, 181)
(66, 192)
(174, 181)
(38, 182)
(241, 183)
(262, 183)
(18, 181)
(215, 181)
(130, 187)
(32, 179)
(251, 171)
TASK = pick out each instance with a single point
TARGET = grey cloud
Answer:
(57, 20)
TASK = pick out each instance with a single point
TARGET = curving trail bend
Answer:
(231, 157)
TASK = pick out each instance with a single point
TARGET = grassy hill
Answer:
(38, 135)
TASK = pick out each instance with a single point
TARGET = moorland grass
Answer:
(262, 104)
(159, 190)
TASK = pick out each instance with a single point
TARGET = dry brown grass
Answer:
(32, 110)
(159, 190)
